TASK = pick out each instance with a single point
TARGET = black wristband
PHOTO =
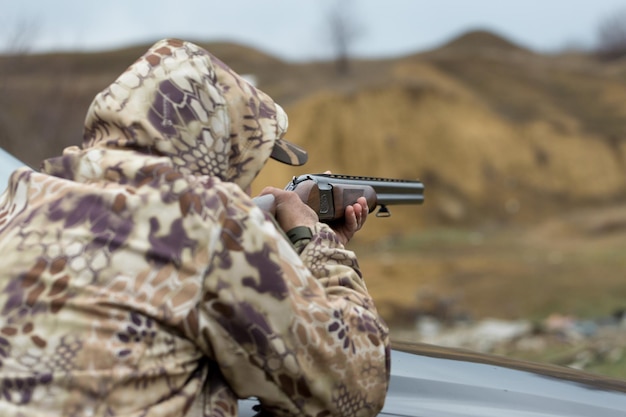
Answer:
(298, 233)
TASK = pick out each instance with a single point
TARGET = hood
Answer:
(180, 102)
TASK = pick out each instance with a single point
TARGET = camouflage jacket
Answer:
(138, 279)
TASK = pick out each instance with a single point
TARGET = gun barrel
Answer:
(388, 191)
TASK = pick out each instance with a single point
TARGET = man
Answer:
(139, 279)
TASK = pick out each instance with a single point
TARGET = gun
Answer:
(330, 194)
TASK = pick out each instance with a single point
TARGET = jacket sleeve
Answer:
(299, 332)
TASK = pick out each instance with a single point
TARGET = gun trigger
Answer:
(383, 211)
(292, 184)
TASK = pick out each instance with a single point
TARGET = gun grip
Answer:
(321, 200)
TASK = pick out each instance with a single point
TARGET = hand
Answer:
(289, 210)
(354, 218)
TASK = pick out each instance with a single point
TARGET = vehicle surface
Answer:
(8, 164)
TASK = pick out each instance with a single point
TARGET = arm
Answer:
(299, 333)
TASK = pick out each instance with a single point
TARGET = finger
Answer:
(363, 202)
(282, 196)
(268, 190)
(351, 221)
(358, 213)
(365, 211)
(362, 210)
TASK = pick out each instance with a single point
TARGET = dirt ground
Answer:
(575, 264)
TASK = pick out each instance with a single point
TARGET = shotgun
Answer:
(330, 194)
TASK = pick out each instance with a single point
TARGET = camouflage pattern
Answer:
(138, 279)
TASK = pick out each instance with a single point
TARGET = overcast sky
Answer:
(297, 29)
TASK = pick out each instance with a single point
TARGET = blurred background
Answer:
(513, 115)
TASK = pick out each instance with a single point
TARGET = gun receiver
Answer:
(330, 194)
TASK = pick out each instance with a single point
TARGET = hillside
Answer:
(498, 134)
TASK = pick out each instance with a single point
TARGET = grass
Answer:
(615, 368)
(508, 273)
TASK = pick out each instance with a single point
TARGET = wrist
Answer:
(298, 233)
